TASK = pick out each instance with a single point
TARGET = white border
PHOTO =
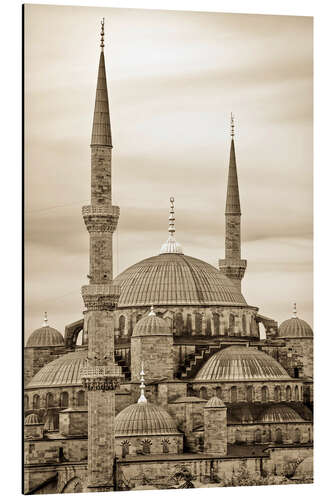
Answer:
(11, 238)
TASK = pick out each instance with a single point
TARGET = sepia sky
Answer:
(173, 78)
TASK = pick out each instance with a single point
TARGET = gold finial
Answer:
(45, 319)
(142, 398)
(232, 125)
(102, 34)
(152, 312)
(295, 311)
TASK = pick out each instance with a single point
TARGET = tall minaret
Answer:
(102, 375)
(233, 266)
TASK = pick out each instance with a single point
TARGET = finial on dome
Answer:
(142, 398)
(45, 319)
(295, 311)
(171, 245)
(232, 126)
(102, 34)
(152, 312)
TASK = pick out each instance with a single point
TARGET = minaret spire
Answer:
(233, 266)
(102, 375)
(101, 130)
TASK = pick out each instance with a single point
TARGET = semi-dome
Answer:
(151, 325)
(44, 337)
(144, 419)
(295, 328)
(63, 371)
(280, 413)
(31, 419)
(241, 363)
(175, 279)
(304, 471)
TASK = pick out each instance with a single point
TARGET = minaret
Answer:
(233, 266)
(102, 375)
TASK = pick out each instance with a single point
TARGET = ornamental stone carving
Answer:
(101, 219)
(103, 297)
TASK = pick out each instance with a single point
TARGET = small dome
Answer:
(215, 402)
(31, 419)
(295, 328)
(44, 337)
(144, 419)
(241, 363)
(280, 413)
(63, 371)
(151, 325)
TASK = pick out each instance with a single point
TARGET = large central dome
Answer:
(175, 279)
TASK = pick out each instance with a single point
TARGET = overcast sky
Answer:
(173, 78)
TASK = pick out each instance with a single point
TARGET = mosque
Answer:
(172, 385)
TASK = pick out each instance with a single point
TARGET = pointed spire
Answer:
(171, 245)
(295, 311)
(45, 323)
(142, 398)
(232, 204)
(101, 130)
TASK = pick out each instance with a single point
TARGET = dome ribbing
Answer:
(44, 337)
(295, 328)
(280, 413)
(175, 279)
(64, 371)
(151, 325)
(144, 419)
(241, 363)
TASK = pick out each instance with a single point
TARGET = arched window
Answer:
(288, 393)
(26, 401)
(203, 393)
(264, 393)
(277, 393)
(244, 324)
(165, 445)
(257, 436)
(238, 436)
(189, 324)
(216, 323)
(233, 394)
(138, 317)
(49, 400)
(297, 436)
(249, 393)
(231, 324)
(125, 448)
(36, 402)
(64, 399)
(278, 436)
(218, 392)
(198, 323)
(81, 398)
(122, 322)
(146, 444)
(179, 323)
(208, 327)
(296, 393)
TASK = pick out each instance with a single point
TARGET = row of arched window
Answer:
(275, 436)
(50, 401)
(214, 325)
(264, 392)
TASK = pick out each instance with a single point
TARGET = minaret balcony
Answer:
(101, 218)
(100, 297)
